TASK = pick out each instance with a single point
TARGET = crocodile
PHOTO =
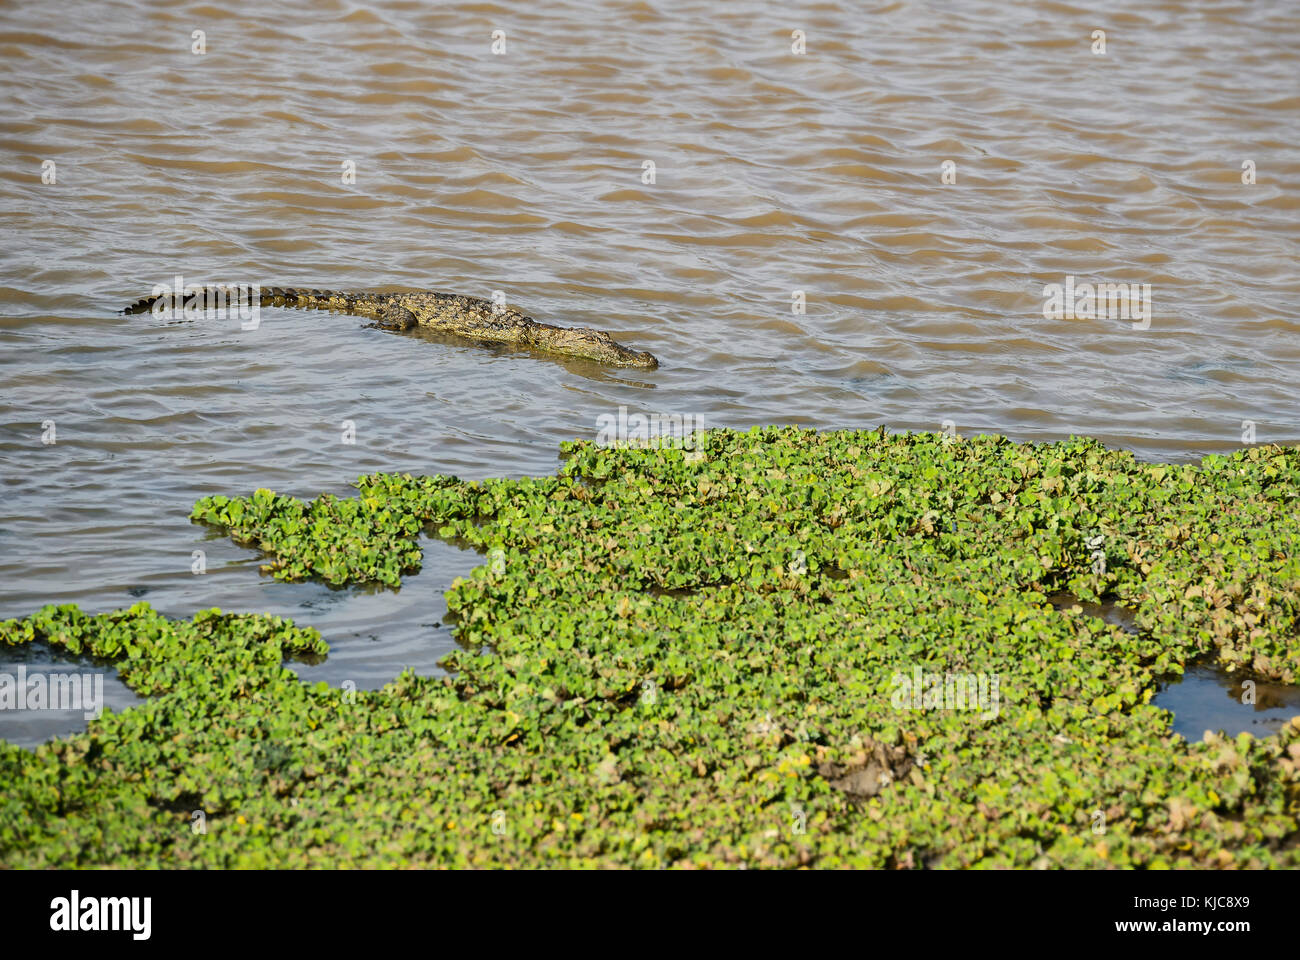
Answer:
(468, 317)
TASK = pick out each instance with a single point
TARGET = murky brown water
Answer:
(523, 172)
(1206, 697)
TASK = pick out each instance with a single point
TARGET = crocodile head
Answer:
(599, 346)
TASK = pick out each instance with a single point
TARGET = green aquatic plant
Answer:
(702, 657)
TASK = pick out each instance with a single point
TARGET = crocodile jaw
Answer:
(597, 345)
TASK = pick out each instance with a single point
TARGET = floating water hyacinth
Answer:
(674, 659)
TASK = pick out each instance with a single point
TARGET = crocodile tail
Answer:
(214, 293)
(266, 297)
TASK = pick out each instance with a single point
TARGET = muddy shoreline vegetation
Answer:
(697, 658)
